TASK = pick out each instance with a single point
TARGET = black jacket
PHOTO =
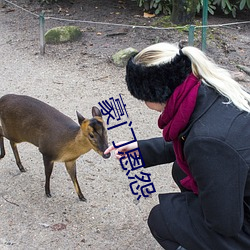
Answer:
(216, 145)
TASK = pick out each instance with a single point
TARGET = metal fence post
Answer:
(191, 35)
(204, 24)
(42, 31)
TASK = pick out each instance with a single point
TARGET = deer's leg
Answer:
(48, 165)
(71, 168)
(1, 144)
(18, 161)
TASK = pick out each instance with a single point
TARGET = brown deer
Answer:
(59, 138)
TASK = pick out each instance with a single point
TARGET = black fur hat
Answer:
(156, 83)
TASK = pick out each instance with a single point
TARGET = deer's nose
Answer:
(106, 156)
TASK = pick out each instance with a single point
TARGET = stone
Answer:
(239, 76)
(121, 58)
(63, 34)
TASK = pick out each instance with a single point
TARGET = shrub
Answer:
(227, 6)
(47, 1)
(157, 6)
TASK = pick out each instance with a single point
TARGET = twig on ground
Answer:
(13, 203)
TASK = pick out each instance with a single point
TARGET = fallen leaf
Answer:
(58, 227)
(147, 15)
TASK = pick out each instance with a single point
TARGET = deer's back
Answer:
(24, 118)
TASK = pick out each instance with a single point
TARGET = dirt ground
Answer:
(76, 76)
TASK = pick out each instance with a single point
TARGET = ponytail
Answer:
(218, 78)
(202, 67)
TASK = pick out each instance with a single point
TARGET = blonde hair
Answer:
(202, 67)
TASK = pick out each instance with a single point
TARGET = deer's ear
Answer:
(80, 118)
(96, 112)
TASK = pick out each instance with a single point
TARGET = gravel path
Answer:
(70, 79)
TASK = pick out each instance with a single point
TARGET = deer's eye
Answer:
(91, 136)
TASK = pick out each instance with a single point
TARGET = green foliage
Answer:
(244, 4)
(226, 6)
(165, 6)
(211, 7)
(47, 1)
(157, 6)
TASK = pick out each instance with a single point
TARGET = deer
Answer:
(58, 138)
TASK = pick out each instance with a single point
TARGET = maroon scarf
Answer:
(174, 119)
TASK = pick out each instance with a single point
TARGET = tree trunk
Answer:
(183, 11)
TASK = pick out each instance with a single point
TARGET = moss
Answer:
(63, 34)
(163, 22)
(121, 58)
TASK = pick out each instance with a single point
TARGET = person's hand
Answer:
(121, 149)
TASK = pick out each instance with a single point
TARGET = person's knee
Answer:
(156, 223)
(153, 218)
(159, 230)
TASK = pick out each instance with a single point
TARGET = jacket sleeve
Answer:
(156, 151)
(220, 173)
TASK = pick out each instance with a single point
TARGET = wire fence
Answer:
(191, 28)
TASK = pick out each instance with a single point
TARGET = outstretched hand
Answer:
(121, 149)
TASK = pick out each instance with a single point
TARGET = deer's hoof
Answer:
(48, 195)
(82, 198)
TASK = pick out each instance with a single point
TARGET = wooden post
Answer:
(42, 31)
